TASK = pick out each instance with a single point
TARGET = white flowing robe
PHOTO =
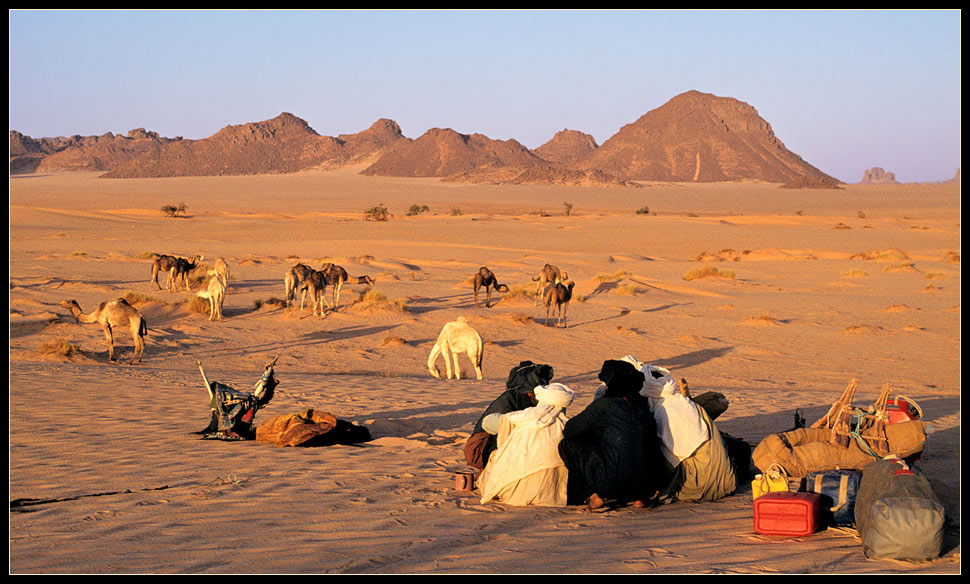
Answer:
(526, 468)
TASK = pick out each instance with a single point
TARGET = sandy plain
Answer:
(828, 285)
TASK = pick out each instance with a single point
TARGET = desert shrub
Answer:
(627, 290)
(138, 298)
(455, 212)
(417, 210)
(375, 299)
(708, 271)
(174, 211)
(378, 213)
(61, 347)
(643, 210)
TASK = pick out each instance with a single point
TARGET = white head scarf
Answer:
(680, 426)
(552, 398)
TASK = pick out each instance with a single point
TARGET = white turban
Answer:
(680, 426)
(552, 398)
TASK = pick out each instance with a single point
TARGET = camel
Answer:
(221, 268)
(176, 267)
(486, 278)
(163, 263)
(181, 271)
(293, 279)
(366, 280)
(336, 276)
(315, 283)
(549, 275)
(111, 314)
(457, 337)
(215, 293)
(560, 295)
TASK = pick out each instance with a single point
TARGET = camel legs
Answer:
(139, 342)
(432, 367)
(475, 357)
(111, 342)
(454, 356)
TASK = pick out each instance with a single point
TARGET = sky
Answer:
(845, 90)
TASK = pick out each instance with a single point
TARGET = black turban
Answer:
(621, 378)
(524, 377)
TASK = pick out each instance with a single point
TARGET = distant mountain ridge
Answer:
(694, 137)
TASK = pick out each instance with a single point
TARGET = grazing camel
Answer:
(336, 276)
(215, 293)
(485, 277)
(549, 275)
(111, 314)
(457, 337)
(293, 279)
(560, 295)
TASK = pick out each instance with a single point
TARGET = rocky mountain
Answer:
(698, 137)
(283, 144)
(878, 176)
(444, 152)
(567, 146)
(91, 153)
(695, 137)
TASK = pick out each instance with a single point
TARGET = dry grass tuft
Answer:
(371, 299)
(61, 347)
(708, 271)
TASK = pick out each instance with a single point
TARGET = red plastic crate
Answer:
(791, 514)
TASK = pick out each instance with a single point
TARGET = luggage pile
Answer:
(853, 468)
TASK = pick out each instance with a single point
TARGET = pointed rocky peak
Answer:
(567, 145)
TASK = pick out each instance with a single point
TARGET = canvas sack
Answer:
(897, 513)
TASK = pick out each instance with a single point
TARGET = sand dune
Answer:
(808, 308)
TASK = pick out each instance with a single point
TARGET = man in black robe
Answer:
(610, 447)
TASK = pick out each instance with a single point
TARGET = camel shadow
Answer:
(693, 358)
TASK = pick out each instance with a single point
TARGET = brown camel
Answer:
(485, 277)
(560, 295)
(293, 280)
(163, 263)
(549, 275)
(111, 314)
(315, 283)
(183, 268)
(336, 276)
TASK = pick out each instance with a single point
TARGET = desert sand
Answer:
(818, 287)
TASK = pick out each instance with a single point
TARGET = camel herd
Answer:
(456, 337)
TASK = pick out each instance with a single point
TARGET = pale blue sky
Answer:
(845, 90)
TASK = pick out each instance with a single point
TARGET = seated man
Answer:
(526, 469)
(610, 447)
(695, 460)
(518, 395)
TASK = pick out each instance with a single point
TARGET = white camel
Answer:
(111, 314)
(215, 293)
(457, 337)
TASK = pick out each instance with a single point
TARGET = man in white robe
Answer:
(526, 468)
